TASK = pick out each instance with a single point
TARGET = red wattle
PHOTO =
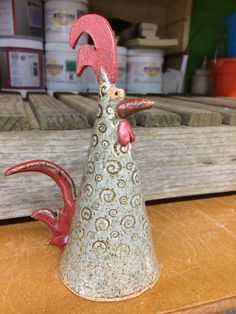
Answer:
(126, 134)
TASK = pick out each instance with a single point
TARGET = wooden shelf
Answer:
(195, 243)
(184, 147)
(151, 43)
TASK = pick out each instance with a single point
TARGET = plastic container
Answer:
(231, 32)
(144, 71)
(223, 77)
(121, 76)
(201, 82)
(60, 16)
(21, 18)
(61, 69)
(21, 64)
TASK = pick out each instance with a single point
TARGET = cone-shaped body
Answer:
(109, 254)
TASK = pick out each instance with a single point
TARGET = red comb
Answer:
(104, 52)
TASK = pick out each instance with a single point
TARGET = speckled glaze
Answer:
(109, 253)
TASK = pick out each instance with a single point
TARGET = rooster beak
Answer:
(129, 106)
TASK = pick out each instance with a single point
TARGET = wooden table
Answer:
(195, 242)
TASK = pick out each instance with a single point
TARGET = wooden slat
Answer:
(216, 101)
(12, 113)
(52, 114)
(33, 122)
(157, 117)
(228, 113)
(189, 116)
(173, 162)
(86, 106)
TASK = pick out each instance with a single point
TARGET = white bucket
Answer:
(60, 16)
(23, 18)
(21, 63)
(121, 76)
(61, 69)
(144, 71)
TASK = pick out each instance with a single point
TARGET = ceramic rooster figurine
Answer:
(108, 253)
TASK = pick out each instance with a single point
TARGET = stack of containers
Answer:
(61, 60)
(144, 71)
(21, 46)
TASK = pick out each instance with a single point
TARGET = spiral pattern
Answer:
(86, 213)
(109, 110)
(128, 221)
(94, 140)
(121, 183)
(95, 205)
(102, 224)
(105, 144)
(99, 247)
(88, 190)
(107, 195)
(79, 231)
(122, 250)
(114, 234)
(130, 165)
(145, 229)
(90, 167)
(123, 200)
(113, 212)
(135, 177)
(90, 235)
(100, 111)
(98, 178)
(96, 156)
(136, 200)
(120, 150)
(135, 237)
(102, 128)
(113, 166)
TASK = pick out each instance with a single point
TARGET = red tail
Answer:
(58, 224)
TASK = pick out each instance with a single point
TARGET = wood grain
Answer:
(52, 114)
(12, 113)
(189, 115)
(227, 112)
(157, 118)
(174, 161)
(85, 106)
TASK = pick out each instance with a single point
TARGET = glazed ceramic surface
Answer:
(109, 253)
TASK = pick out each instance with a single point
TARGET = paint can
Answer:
(121, 76)
(61, 69)
(144, 71)
(60, 16)
(21, 18)
(21, 63)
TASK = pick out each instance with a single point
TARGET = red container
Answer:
(223, 77)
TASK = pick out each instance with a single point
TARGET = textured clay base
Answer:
(131, 296)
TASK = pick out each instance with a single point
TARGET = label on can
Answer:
(6, 18)
(144, 72)
(62, 71)
(24, 69)
(61, 18)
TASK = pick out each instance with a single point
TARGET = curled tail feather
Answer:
(59, 224)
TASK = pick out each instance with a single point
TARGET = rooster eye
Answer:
(116, 93)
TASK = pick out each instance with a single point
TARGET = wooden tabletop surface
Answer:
(195, 242)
